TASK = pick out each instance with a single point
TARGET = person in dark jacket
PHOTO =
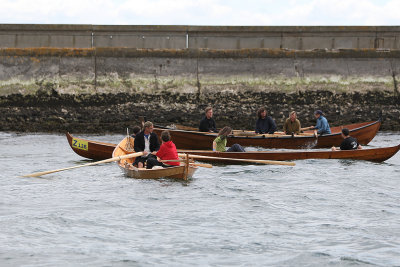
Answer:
(207, 124)
(146, 141)
(349, 142)
(264, 124)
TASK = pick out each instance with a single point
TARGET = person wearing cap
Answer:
(349, 142)
(292, 124)
(322, 126)
(264, 123)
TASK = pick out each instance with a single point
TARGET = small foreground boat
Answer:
(125, 147)
(370, 154)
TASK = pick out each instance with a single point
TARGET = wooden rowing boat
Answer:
(364, 132)
(184, 172)
(371, 154)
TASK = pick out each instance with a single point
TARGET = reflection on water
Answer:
(320, 212)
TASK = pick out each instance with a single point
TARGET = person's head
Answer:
(318, 113)
(165, 136)
(293, 115)
(345, 132)
(209, 112)
(224, 132)
(148, 127)
(136, 130)
(262, 113)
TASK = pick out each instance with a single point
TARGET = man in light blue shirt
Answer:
(322, 126)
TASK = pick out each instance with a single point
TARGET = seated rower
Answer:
(167, 151)
(219, 144)
(265, 124)
(349, 142)
(207, 124)
(146, 141)
(292, 124)
(322, 126)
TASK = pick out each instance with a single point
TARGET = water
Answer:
(320, 212)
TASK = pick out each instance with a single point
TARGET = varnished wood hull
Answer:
(370, 154)
(179, 172)
(94, 150)
(364, 132)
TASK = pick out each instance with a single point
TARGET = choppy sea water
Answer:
(318, 213)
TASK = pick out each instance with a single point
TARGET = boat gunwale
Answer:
(367, 124)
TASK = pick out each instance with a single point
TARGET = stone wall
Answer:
(50, 112)
(106, 89)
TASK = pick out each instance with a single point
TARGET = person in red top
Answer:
(167, 151)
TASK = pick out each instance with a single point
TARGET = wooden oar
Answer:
(275, 162)
(193, 164)
(134, 155)
(201, 165)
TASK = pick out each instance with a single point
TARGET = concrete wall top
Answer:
(194, 28)
(199, 37)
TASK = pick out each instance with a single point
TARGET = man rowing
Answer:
(292, 124)
(264, 124)
(349, 142)
(146, 141)
(207, 124)
(322, 126)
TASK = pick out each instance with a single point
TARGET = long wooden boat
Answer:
(125, 147)
(364, 132)
(371, 154)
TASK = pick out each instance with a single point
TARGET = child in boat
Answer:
(167, 151)
(219, 143)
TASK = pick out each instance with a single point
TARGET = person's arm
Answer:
(318, 126)
(156, 143)
(137, 146)
(258, 127)
(214, 146)
(203, 126)
(298, 130)
(214, 126)
(272, 125)
(161, 152)
(359, 146)
(285, 127)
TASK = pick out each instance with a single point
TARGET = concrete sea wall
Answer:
(106, 89)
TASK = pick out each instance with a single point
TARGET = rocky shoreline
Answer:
(49, 111)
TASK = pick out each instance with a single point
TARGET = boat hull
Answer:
(125, 147)
(364, 132)
(370, 154)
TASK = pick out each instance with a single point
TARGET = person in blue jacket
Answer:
(322, 126)
(264, 124)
